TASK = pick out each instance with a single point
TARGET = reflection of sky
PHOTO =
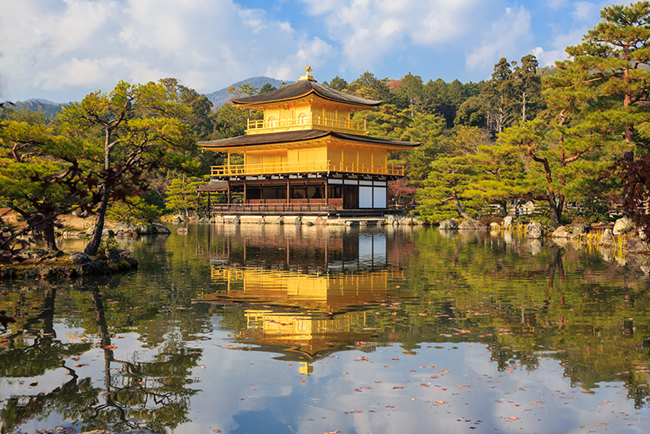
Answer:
(246, 391)
(450, 388)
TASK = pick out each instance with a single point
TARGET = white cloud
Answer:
(585, 11)
(556, 4)
(558, 46)
(369, 29)
(64, 49)
(504, 39)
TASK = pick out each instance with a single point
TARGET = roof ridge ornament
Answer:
(308, 69)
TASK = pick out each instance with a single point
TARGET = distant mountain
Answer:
(50, 108)
(221, 96)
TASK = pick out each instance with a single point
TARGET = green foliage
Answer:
(268, 87)
(183, 197)
(472, 113)
(134, 210)
(452, 178)
(337, 83)
(135, 132)
(41, 175)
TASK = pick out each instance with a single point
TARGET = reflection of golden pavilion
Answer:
(305, 337)
(304, 316)
(304, 292)
(323, 293)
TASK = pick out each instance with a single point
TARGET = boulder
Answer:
(124, 227)
(27, 254)
(78, 258)
(507, 222)
(637, 245)
(117, 254)
(534, 230)
(579, 229)
(448, 225)
(607, 239)
(142, 229)
(159, 228)
(561, 232)
(471, 225)
(623, 226)
(495, 227)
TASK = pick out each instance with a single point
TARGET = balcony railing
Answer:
(305, 167)
(306, 206)
(312, 121)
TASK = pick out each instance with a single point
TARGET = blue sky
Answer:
(61, 50)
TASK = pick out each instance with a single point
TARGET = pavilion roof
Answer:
(303, 88)
(299, 136)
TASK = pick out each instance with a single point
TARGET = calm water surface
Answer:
(283, 329)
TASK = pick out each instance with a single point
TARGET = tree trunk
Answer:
(556, 205)
(459, 207)
(48, 236)
(503, 210)
(96, 237)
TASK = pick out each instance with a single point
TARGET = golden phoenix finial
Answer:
(308, 69)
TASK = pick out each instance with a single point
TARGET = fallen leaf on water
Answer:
(513, 418)
(398, 387)
(441, 402)
(33, 384)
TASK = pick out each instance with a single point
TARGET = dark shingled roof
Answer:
(214, 186)
(303, 88)
(298, 136)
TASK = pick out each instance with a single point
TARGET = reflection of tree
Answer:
(561, 303)
(152, 395)
(45, 353)
(142, 395)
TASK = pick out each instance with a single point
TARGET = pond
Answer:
(291, 329)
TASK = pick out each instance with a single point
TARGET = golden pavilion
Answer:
(305, 157)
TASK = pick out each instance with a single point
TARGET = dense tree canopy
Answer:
(134, 129)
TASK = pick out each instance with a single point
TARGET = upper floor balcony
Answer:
(303, 121)
(305, 167)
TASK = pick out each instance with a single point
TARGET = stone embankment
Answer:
(118, 230)
(621, 235)
(298, 220)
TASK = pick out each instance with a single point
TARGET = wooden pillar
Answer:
(288, 191)
(327, 187)
(209, 213)
(245, 185)
(326, 196)
(228, 194)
